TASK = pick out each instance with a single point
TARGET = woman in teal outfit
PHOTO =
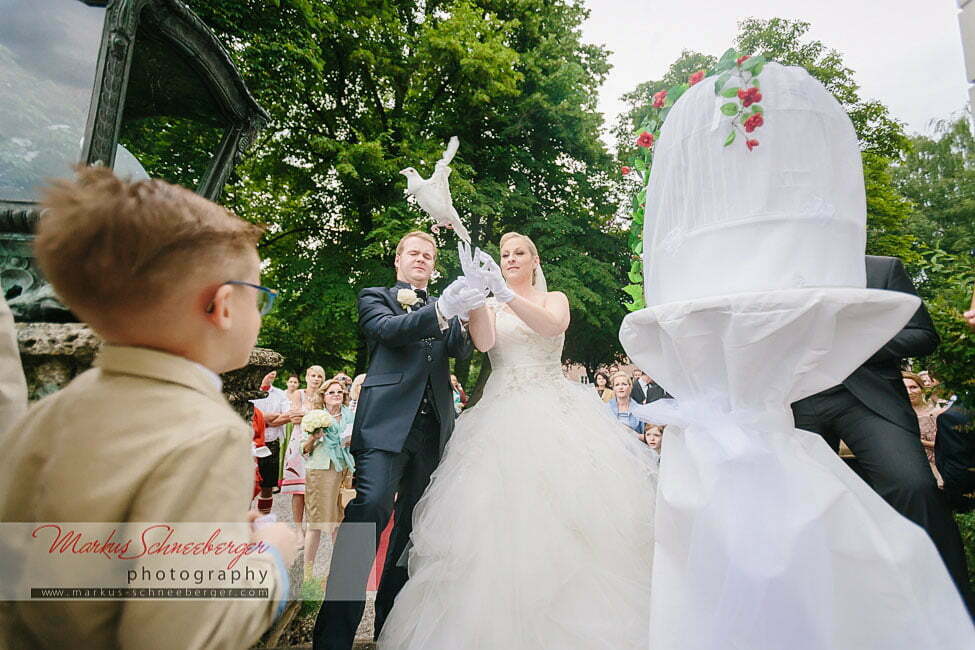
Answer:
(327, 461)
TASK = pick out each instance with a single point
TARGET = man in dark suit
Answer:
(954, 453)
(871, 412)
(404, 417)
(645, 390)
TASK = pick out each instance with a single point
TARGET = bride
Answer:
(537, 528)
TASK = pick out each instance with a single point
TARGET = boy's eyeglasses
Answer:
(265, 296)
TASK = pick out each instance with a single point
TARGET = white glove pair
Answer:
(481, 271)
(458, 299)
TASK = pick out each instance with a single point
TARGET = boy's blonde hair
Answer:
(105, 243)
(419, 234)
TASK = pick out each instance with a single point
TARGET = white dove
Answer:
(433, 194)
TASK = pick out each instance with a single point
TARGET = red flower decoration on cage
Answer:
(754, 122)
(750, 96)
(645, 140)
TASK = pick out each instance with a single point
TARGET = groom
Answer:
(404, 417)
(871, 413)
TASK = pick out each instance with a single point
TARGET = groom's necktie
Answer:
(421, 294)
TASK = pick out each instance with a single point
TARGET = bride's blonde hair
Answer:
(528, 240)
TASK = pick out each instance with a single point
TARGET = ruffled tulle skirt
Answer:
(536, 530)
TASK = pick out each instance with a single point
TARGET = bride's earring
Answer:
(534, 274)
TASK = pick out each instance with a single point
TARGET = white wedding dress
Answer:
(537, 528)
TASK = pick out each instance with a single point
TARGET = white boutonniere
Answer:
(407, 298)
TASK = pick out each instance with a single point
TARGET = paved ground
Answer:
(282, 508)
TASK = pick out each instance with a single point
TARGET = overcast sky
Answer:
(905, 53)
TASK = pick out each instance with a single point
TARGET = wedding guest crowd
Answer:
(288, 468)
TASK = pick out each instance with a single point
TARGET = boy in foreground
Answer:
(169, 280)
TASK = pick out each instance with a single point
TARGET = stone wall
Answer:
(53, 354)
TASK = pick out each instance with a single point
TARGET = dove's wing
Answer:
(448, 155)
(440, 180)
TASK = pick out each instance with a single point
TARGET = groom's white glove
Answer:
(491, 274)
(458, 299)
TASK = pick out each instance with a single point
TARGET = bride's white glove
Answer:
(491, 272)
(458, 299)
(472, 274)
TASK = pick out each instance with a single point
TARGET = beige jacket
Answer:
(13, 388)
(142, 436)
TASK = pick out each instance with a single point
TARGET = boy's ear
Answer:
(218, 311)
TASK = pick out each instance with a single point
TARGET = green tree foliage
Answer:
(938, 176)
(888, 213)
(638, 99)
(358, 91)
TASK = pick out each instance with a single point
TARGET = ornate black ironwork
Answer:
(128, 26)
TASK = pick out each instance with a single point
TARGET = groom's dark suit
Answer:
(871, 412)
(404, 417)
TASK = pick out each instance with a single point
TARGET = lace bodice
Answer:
(520, 354)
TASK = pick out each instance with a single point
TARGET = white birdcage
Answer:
(790, 213)
(755, 282)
